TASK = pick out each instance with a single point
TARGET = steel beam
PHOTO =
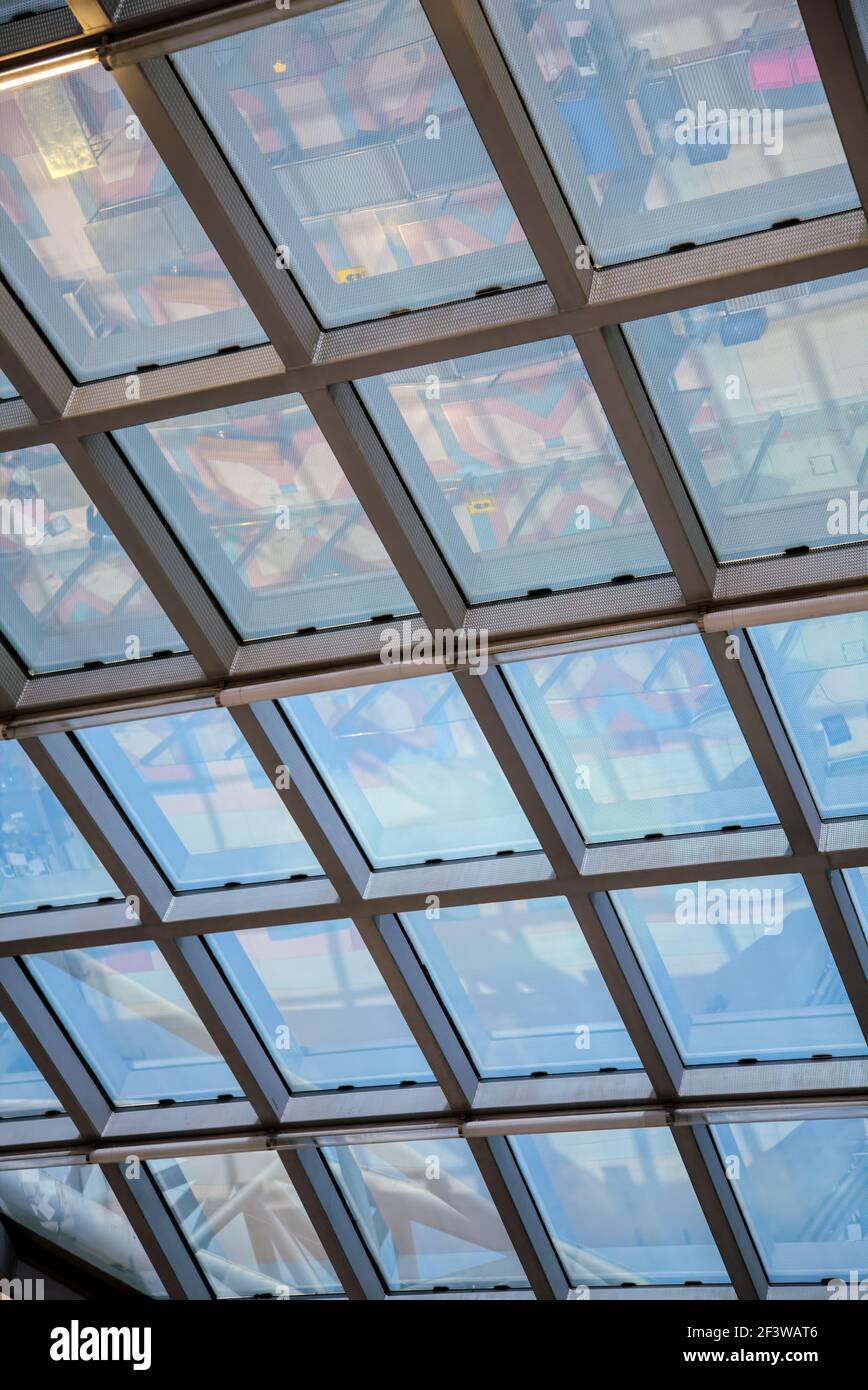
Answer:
(93, 16)
(846, 937)
(631, 994)
(498, 112)
(333, 659)
(617, 383)
(238, 1042)
(779, 1092)
(837, 48)
(13, 679)
(500, 720)
(410, 985)
(140, 1200)
(117, 847)
(140, 529)
(605, 868)
(309, 1174)
(193, 157)
(523, 1224)
(42, 1037)
(810, 251)
(299, 787)
(30, 364)
(374, 479)
(722, 1212)
(752, 704)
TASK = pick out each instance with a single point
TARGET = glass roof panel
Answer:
(202, 803)
(74, 1208)
(516, 468)
(857, 883)
(348, 132)
(522, 986)
(741, 969)
(71, 595)
(7, 390)
(818, 673)
(802, 1187)
(247, 1228)
(426, 1215)
(262, 504)
(44, 859)
(20, 9)
(676, 121)
(410, 769)
(641, 739)
(23, 1089)
(619, 1207)
(321, 1006)
(133, 1024)
(762, 399)
(97, 240)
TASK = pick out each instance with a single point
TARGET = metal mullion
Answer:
(486, 84)
(170, 495)
(632, 420)
(207, 182)
(166, 36)
(744, 265)
(238, 1042)
(721, 1210)
(75, 698)
(38, 1132)
(682, 858)
(42, 1037)
(517, 1210)
(350, 435)
(639, 289)
(30, 364)
(412, 990)
(568, 1103)
(140, 1199)
(93, 16)
(92, 924)
(319, 1194)
(331, 659)
(181, 388)
(277, 749)
(140, 529)
(393, 891)
(330, 1111)
(631, 994)
(837, 47)
(761, 726)
(13, 678)
(514, 622)
(845, 935)
(804, 1080)
(836, 572)
(102, 824)
(504, 728)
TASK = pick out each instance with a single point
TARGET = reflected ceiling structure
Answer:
(433, 649)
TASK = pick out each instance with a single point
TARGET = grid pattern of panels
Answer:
(432, 670)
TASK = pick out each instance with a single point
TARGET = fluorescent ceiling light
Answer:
(48, 67)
